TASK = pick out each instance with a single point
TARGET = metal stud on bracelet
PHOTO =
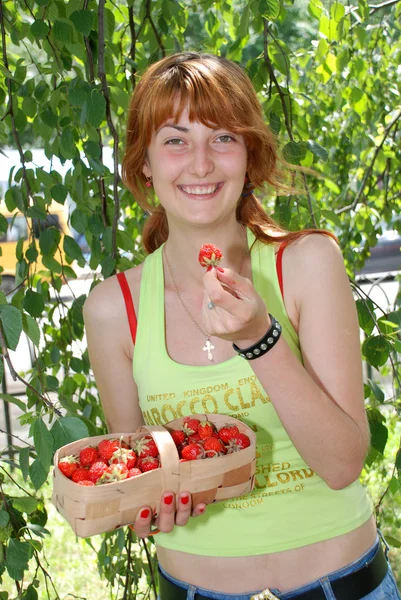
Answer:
(265, 344)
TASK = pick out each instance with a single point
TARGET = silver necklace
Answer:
(208, 347)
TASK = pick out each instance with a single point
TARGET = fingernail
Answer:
(184, 499)
(145, 513)
(168, 499)
(209, 268)
(220, 269)
(201, 508)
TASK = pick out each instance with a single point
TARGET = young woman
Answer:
(196, 146)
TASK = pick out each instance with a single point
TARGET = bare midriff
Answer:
(280, 570)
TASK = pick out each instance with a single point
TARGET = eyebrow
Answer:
(177, 127)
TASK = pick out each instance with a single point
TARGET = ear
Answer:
(146, 170)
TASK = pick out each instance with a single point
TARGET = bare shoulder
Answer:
(106, 298)
(313, 266)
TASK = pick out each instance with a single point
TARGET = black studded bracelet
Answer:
(265, 344)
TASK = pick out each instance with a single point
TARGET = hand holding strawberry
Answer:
(240, 314)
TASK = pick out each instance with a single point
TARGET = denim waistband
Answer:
(334, 575)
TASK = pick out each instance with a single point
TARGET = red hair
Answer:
(216, 91)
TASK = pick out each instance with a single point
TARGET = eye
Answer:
(174, 142)
(226, 138)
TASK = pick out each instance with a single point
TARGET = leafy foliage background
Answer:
(328, 76)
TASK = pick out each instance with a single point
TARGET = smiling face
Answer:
(198, 171)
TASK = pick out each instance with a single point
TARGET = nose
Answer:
(201, 163)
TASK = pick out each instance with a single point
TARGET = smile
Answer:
(201, 190)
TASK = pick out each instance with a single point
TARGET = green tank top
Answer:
(291, 506)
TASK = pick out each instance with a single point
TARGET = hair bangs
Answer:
(209, 100)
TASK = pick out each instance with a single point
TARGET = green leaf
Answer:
(398, 463)
(30, 592)
(376, 350)
(37, 474)
(270, 9)
(66, 430)
(4, 518)
(59, 193)
(294, 152)
(79, 221)
(31, 328)
(317, 150)
(44, 442)
(33, 303)
(392, 541)
(95, 107)
(378, 392)
(67, 143)
(24, 461)
(378, 431)
(49, 240)
(83, 21)
(12, 400)
(72, 249)
(63, 31)
(11, 321)
(108, 266)
(18, 556)
(25, 504)
(39, 29)
(365, 311)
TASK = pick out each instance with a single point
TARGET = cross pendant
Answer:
(207, 348)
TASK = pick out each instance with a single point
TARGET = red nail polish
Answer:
(220, 269)
(145, 513)
(184, 499)
(168, 500)
(201, 509)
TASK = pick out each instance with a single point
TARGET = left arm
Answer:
(319, 403)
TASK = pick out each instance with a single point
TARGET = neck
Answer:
(182, 250)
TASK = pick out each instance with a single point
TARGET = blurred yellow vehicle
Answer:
(26, 228)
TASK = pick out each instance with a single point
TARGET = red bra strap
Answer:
(129, 305)
(279, 266)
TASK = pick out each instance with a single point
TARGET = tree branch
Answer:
(113, 131)
(273, 77)
(369, 170)
(15, 375)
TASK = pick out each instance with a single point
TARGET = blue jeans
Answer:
(387, 590)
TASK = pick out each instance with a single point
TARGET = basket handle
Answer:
(170, 460)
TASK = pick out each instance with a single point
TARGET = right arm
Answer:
(110, 353)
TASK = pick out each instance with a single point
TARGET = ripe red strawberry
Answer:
(190, 425)
(205, 430)
(80, 474)
(88, 456)
(178, 436)
(214, 447)
(209, 254)
(127, 457)
(239, 442)
(106, 448)
(68, 465)
(192, 452)
(228, 432)
(96, 470)
(134, 472)
(194, 438)
(85, 482)
(148, 463)
(146, 446)
(117, 472)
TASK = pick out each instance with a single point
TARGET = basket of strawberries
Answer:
(100, 483)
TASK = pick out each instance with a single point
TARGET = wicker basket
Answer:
(93, 510)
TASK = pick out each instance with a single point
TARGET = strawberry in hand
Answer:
(209, 255)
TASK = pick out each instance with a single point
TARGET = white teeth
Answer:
(199, 190)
